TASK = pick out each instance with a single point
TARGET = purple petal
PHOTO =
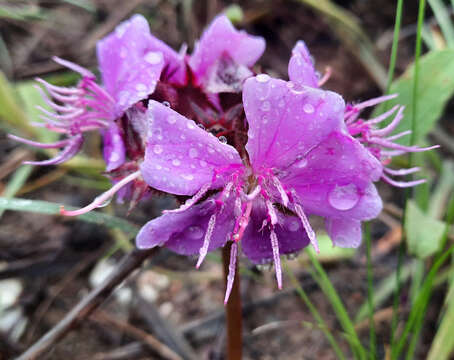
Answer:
(338, 159)
(175, 66)
(184, 232)
(180, 157)
(114, 148)
(224, 52)
(129, 69)
(341, 201)
(256, 243)
(284, 123)
(344, 233)
(301, 69)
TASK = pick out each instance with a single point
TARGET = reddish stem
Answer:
(233, 312)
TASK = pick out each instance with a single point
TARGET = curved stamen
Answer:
(57, 144)
(70, 65)
(326, 76)
(191, 201)
(402, 184)
(388, 129)
(383, 116)
(398, 136)
(103, 198)
(73, 146)
(374, 101)
(401, 172)
(281, 191)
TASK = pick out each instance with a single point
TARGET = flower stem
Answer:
(233, 312)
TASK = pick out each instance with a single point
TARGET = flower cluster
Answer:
(254, 155)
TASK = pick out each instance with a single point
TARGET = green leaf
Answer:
(44, 207)
(424, 234)
(435, 88)
(328, 252)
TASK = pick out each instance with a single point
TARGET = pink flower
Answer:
(298, 160)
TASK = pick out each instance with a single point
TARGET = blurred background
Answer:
(48, 263)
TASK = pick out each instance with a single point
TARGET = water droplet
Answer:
(166, 103)
(266, 106)
(105, 203)
(172, 119)
(308, 108)
(263, 78)
(176, 162)
(183, 137)
(157, 149)
(190, 125)
(201, 126)
(158, 167)
(343, 197)
(141, 87)
(222, 139)
(195, 232)
(188, 177)
(265, 119)
(292, 256)
(203, 163)
(193, 153)
(294, 225)
(301, 163)
(264, 267)
(153, 57)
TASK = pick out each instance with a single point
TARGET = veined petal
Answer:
(286, 123)
(184, 232)
(301, 69)
(222, 42)
(129, 69)
(256, 244)
(114, 151)
(180, 157)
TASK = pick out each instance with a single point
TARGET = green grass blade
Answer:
(370, 293)
(18, 179)
(318, 318)
(341, 313)
(395, 45)
(44, 207)
(444, 20)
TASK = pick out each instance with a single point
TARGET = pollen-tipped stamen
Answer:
(103, 198)
(276, 258)
(206, 241)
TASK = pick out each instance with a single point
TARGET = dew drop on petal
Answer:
(201, 126)
(294, 225)
(157, 149)
(153, 57)
(223, 139)
(166, 103)
(266, 106)
(203, 163)
(193, 153)
(176, 162)
(190, 125)
(308, 108)
(158, 167)
(263, 78)
(188, 177)
(172, 119)
(343, 197)
(195, 232)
